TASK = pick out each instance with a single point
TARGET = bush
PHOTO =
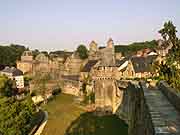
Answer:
(56, 91)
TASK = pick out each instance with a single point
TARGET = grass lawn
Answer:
(62, 111)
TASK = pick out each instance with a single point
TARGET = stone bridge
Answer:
(147, 111)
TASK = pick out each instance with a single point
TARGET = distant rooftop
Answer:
(89, 65)
(13, 70)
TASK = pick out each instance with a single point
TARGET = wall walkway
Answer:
(165, 118)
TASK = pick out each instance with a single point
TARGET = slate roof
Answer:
(142, 64)
(89, 65)
(120, 62)
(71, 77)
(13, 70)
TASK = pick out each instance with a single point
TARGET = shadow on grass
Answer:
(89, 124)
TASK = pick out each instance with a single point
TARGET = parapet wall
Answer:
(135, 112)
(172, 95)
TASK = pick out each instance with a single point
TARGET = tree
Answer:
(82, 51)
(16, 117)
(168, 32)
(7, 87)
(171, 69)
(35, 53)
(9, 54)
(45, 53)
(134, 47)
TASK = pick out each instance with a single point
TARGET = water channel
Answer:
(90, 124)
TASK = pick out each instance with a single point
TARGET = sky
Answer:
(64, 24)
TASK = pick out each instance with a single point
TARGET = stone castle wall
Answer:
(50, 86)
(105, 92)
(135, 112)
(172, 95)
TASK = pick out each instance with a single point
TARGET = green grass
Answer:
(62, 111)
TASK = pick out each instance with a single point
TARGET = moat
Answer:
(89, 124)
(67, 118)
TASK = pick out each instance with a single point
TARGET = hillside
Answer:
(134, 47)
(131, 48)
(9, 54)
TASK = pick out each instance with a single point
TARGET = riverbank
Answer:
(61, 112)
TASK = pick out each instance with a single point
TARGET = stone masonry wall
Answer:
(172, 95)
(135, 111)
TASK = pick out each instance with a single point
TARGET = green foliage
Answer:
(56, 91)
(82, 51)
(92, 97)
(27, 80)
(35, 53)
(9, 54)
(6, 87)
(16, 116)
(45, 53)
(83, 88)
(134, 47)
(168, 32)
(170, 71)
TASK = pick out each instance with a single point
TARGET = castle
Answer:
(41, 63)
(101, 65)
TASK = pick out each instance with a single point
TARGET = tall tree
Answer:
(171, 69)
(168, 32)
(82, 51)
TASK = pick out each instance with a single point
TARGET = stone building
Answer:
(71, 74)
(71, 84)
(143, 66)
(93, 51)
(41, 63)
(125, 68)
(104, 78)
(88, 69)
(14, 74)
(26, 62)
(163, 47)
(136, 67)
(73, 64)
